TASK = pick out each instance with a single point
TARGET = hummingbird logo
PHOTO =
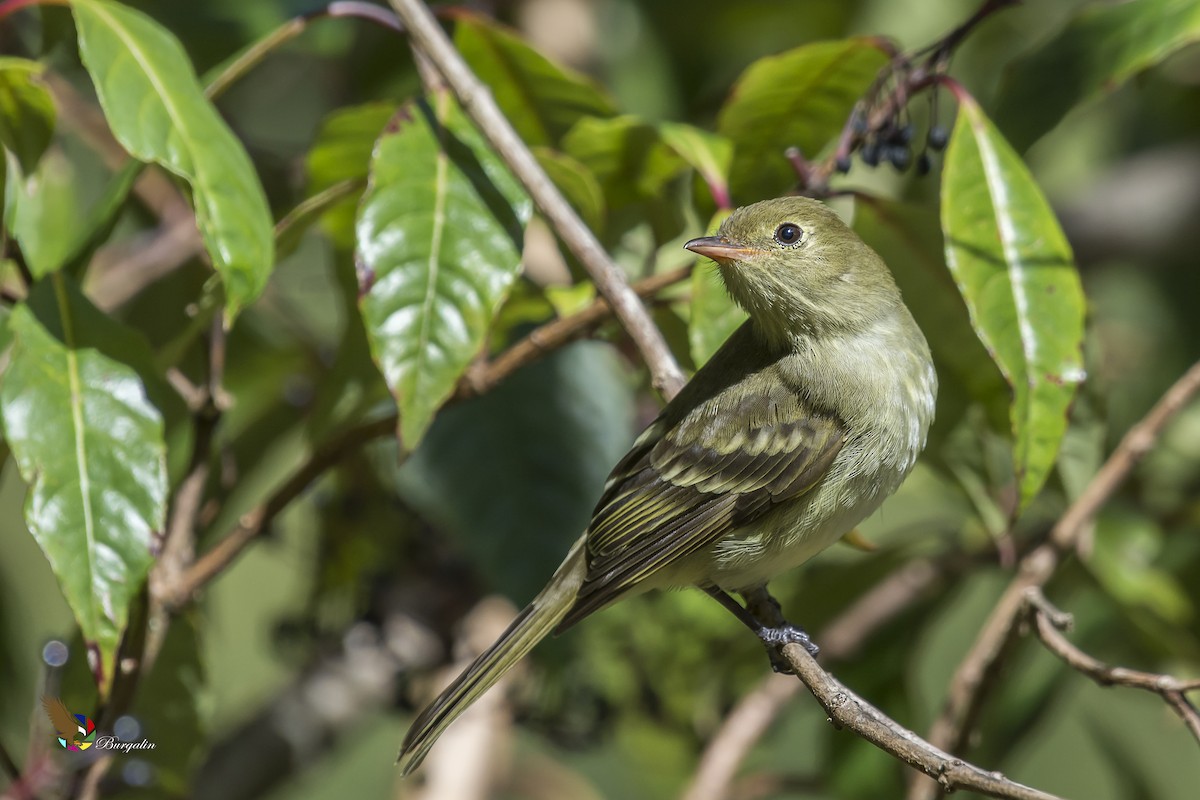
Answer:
(74, 731)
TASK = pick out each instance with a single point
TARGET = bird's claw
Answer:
(776, 638)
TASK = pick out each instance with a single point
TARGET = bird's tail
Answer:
(529, 628)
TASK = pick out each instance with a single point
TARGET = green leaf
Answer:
(26, 111)
(90, 445)
(159, 113)
(1095, 54)
(41, 210)
(576, 182)
(1016, 272)
(627, 156)
(514, 474)
(541, 99)
(342, 152)
(45, 214)
(714, 315)
(709, 154)
(800, 98)
(440, 232)
(1125, 548)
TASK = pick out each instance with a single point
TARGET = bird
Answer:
(63, 721)
(810, 414)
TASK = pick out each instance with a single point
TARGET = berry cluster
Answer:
(893, 144)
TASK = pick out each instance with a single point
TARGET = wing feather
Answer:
(718, 458)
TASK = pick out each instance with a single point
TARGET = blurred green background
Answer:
(297, 686)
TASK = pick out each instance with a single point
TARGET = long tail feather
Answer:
(530, 627)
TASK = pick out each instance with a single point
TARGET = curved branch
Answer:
(1050, 622)
(848, 710)
(749, 720)
(476, 100)
(977, 671)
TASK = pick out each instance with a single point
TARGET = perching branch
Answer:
(752, 716)
(848, 710)
(1050, 622)
(539, 342)
(427, 37)
(978, 669)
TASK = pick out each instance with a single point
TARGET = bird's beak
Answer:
(721, 250)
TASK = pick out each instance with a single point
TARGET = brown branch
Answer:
(748, 722)
(1050, 622)
(427, 36)
(848, 710)
(980, 666)
(539, 342)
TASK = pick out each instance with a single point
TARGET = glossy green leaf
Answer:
(709, 154)
(342, 152)
(158, 111)
(800, 98)
(90, 445)
(1016, 272)
(1101, 49)
(26, 111)
(576, 182)
(541, 99)
(440, 232)
(627, 156)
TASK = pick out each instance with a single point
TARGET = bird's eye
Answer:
(789, 234)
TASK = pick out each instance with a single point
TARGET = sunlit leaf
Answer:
(627, 156)
(157, 110)
(440, 232)
(26, 111)
(1101, 49)
(707, 153)
(90, 445)
(1016, 272)
(541, 99)
(714, 315)
(800, 98)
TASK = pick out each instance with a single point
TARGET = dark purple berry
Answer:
(938, 137)
(870, 154)
(924, 164)
(842, 164)
(900, 156)
(904, 134)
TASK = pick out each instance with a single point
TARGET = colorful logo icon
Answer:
(74, 731)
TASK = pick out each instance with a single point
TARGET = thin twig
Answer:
(1050, 622)
(848, 710)
(539, 342)
(979, 667)
(427, 36)
(748, 722)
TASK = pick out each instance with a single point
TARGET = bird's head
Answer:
(798, 270)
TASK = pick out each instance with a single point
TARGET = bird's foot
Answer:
(774, 639)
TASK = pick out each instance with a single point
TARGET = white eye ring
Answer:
(789, 234)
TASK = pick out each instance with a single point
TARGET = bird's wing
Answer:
(62, 719)
(688, 483)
